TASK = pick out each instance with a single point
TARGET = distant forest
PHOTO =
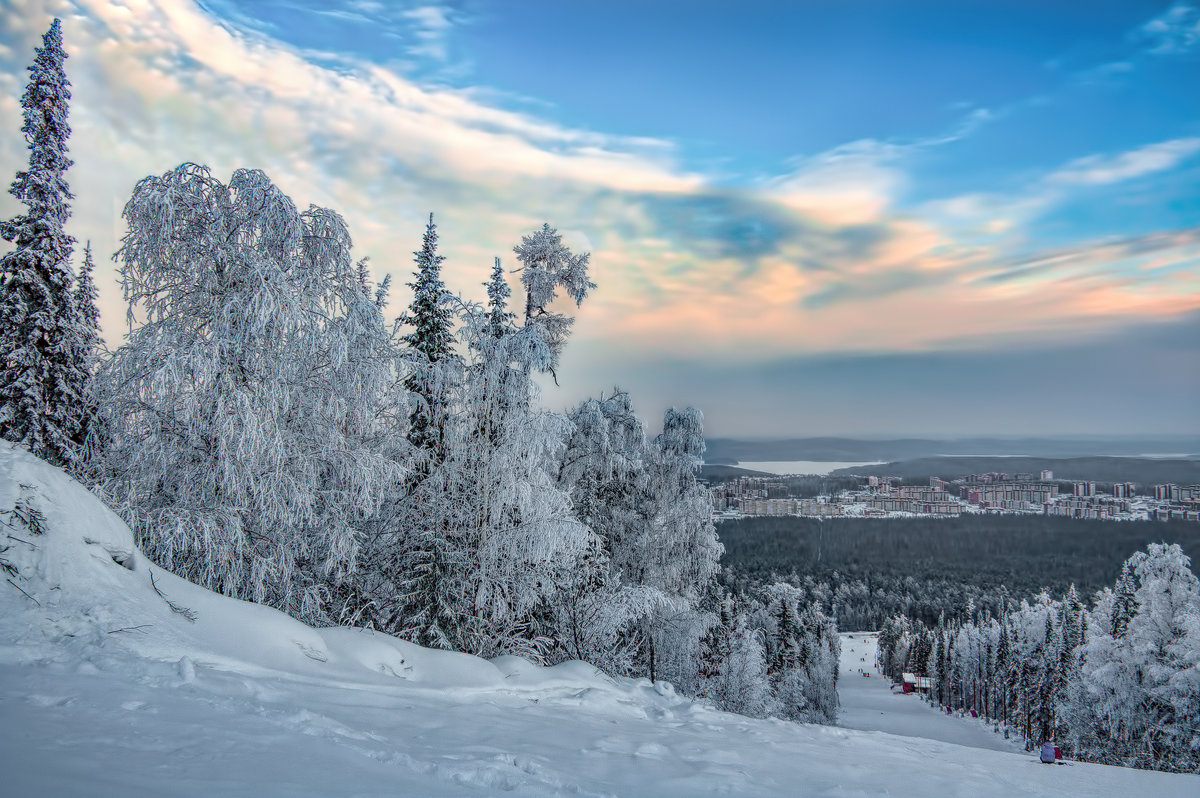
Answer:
(1141, 471)
(866, 570)
(730, 451)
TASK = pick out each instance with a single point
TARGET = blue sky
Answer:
(800, 212)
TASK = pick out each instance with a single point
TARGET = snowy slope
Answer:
(104, 690)
(870, 705)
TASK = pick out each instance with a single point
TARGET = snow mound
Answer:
(84, 577)
(117, 678)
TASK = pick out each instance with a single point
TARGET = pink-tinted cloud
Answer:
(828, 257)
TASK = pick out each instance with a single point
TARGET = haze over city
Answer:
(862, 218)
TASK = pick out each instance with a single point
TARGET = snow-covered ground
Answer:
(869, 704)
(106, 690)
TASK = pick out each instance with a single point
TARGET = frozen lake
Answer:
(819, 467)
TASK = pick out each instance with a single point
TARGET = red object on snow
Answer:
(1057, 752)
(974, 714)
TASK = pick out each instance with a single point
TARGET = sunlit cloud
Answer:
(827, 254)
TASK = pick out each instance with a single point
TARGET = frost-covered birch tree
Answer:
(488, 535)
(251, 419)
(679, 553)
(1141, 683)
(604, 469)
(548, 265)
(46, 346)
(520, 536)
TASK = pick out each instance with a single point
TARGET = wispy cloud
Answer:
(1095, 170)
(431, 24)
(1177, 30)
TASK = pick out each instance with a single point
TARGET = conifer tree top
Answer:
(429, 314)
(43, 188)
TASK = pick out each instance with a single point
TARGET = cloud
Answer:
(431, 24)
(1181, 244)
(1095, 170)
(854, 183)
(829, 257)
(1175, 31)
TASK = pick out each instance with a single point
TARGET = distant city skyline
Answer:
(866, 218)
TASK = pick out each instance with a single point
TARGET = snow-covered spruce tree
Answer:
(45, 348)
(88, 339)
(1070, 637)
(87, 312)
(421, 532)
(251, 420)
(501, 320)
(431, 341)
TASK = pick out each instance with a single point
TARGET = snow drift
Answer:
(118, 678)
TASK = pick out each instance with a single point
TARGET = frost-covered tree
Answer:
(45, 352)
(802, 656)
(546, 266)
(87, 313)
(431, 340)
(1124, 604)
(87, 316)
(500, 319)
(603, 469)
(252, 421)
(490, 537)
(733, 667)
(677, 552)
(1142, 688)
(421, 529)
(1000, 673)
(518, 537)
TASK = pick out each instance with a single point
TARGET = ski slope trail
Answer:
(106, 689)
(869, 705)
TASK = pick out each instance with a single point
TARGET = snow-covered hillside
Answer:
(117, 678)
(869, 703)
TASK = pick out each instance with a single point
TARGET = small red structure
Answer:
(911, 683)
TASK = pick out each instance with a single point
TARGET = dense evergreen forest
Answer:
(865, 570)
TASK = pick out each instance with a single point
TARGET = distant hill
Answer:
(1139, 470)
(721, 473)
(732, 450)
